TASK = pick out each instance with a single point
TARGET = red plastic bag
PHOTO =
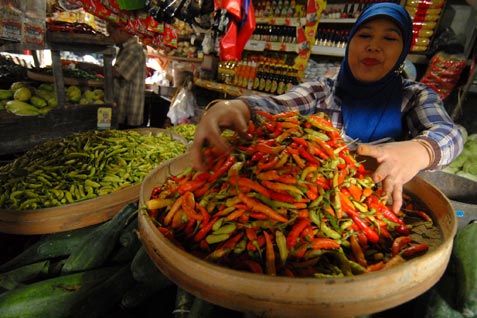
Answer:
(247, 26)
(228, 43)
(232, 7)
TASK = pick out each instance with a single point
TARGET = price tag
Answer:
(254, 45)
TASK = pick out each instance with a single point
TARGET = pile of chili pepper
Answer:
(294, 201)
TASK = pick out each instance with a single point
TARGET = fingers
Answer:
(369, 150)
(397, 198)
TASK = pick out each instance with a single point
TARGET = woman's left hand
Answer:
(397, 163)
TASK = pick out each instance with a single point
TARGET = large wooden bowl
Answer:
(75, 215)
(265, 296)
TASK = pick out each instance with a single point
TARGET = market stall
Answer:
(289, 225)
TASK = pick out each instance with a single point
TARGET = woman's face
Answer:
(374, 49)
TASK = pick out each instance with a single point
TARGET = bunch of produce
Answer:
(82, 166)
(294, 201)
(23, 99)
(84, 272)
(465, 165)
(185, 130)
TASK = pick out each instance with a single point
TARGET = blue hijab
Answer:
(372, 111)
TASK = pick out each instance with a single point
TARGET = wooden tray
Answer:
(275, 296)
(75, 215)
(68, 80)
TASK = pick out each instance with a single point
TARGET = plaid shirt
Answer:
(130, 87)
(423, 113)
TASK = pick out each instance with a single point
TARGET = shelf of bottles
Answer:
(335, 23)
(266, 73)
(273, 38)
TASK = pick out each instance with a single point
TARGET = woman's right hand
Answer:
(231, 114)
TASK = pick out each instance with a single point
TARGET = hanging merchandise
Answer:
(247, 25)
(443, 72)
(240, 18)
(425, 16)
(306, 35)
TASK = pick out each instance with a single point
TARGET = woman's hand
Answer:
(231, 114)
(397, 163)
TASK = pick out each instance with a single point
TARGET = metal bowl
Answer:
(266, 296)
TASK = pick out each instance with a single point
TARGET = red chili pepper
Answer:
(190, 186)
(371, 235)
(326, 148)
(307, 156)
(205, 214)
(269, 150)
(312, 192)
(278, 130)
(399, 242)
(205, 229)
(294, 233)
(223, 168)
(282, 197)
(253, 266)
(251, 128)
(415, 249)
(270, 164)
(268, 175)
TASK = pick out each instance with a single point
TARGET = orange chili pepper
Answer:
(257, 206)
(269, 255)
(357, 251)
(188, 205)
(399, 242)
(174, 208)
(294, 233)
(323, 243)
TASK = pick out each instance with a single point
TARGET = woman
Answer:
(369, 101)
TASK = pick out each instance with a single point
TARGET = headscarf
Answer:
(372, 111)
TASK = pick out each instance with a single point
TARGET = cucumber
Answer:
(125, 254)
(12, 279)
(137, 295)
(103, 297)
(54, 297)
(99, 245)
(129, 235)
(145, 271)
(441, 299)
(464, 258)
(49, 246)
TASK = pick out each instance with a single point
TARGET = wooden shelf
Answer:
(225, 88)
